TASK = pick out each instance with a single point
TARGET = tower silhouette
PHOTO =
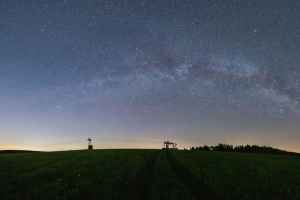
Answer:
(90, 146)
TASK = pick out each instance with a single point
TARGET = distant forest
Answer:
(244, 149)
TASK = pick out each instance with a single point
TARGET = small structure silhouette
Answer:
(169, 145)
(90, 146)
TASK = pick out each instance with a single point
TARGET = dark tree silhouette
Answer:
(245, 149)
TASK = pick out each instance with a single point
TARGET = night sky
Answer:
(194, 72)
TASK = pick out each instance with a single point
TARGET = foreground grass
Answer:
(244, 176)
(97, 174)
(166, 184)
(148, 174)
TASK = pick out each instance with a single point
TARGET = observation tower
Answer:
(90, 147)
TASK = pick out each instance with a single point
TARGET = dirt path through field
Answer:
(166, 184)
(140, 189)
(199, 190)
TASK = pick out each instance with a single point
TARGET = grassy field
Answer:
(166, 184)
(98, 174)
(148, 174)
(244, 176)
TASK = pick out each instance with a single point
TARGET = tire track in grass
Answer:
(198, 189)
(140, 188)
(166, 184)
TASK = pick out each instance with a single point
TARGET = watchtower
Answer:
(169, 145)
(90, 145)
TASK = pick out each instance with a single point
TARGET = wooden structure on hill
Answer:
(169, 145)
(90, 147)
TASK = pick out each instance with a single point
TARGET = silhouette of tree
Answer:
(205, 148)
(245, 149)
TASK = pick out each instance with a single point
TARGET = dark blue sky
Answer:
(194, 72)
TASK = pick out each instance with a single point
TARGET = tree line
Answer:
(244, 149)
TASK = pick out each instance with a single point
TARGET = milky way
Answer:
(194, 72)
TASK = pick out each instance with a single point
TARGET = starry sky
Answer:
(138, 72)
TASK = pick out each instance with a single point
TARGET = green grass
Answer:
(244, 176)
(166, 184)
(112, 174)
(98, 174)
